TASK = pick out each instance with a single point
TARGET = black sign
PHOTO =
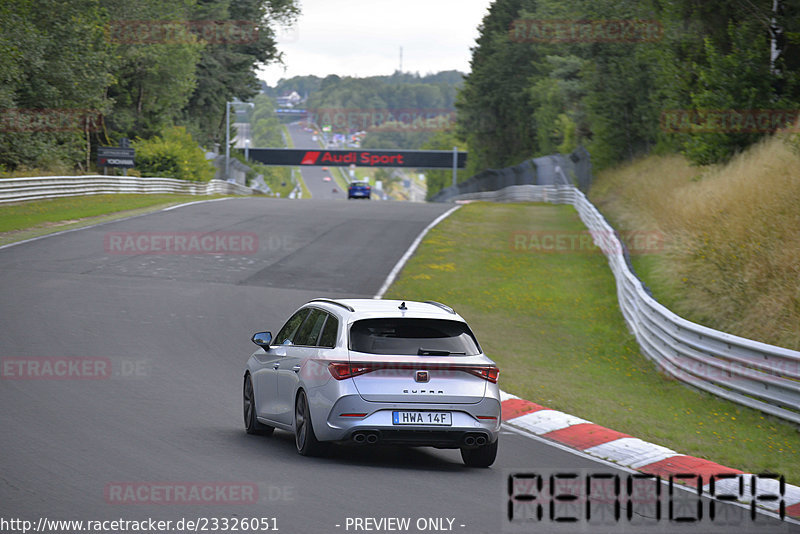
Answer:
(112, 156)
(419, 159)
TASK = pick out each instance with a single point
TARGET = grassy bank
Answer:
(23, 220)
(552, 323)
(732, 254)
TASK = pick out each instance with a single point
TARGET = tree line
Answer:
(75, 74)
(399, 111)
(624, 78)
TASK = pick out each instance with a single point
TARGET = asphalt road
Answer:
(313, 175)
(149, 438)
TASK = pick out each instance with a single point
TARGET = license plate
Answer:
(422, 418)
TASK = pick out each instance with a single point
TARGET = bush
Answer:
(173, 155)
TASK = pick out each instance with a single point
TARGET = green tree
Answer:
(494, 109)
(719, 55)
(557, 103)
(50, 65)
(750, 89)
(266, 128)
(437, 179)
(153, 81)
(159, 70)
(228, 70)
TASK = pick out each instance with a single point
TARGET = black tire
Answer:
(251, 424)
(304, 437)
(480, 456)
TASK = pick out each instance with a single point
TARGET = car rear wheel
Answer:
(304, 437)
(251, 424)
(483, 456)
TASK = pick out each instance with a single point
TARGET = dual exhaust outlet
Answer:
(366, 437)
(475, 440)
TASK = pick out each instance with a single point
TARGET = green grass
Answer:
(23, 220)
(303, 187)
(287, 137)
(552, 323)
(341, 178)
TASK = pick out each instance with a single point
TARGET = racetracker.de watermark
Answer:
(50, 120)
(586, 31)
(384, 120)
(72, 368)
(177, 32)
(164, 243)
(181, 493)
(586, 241)
(729, 120)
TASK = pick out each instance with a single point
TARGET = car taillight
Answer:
(487, 373)
(342, 370)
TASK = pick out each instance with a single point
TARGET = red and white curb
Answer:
(634, 453)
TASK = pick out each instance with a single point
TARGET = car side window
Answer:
(330, 333)
(309, 332)
(286, 336)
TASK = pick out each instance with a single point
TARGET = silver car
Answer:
(366, 372)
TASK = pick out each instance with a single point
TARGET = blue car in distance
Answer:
(359, 190)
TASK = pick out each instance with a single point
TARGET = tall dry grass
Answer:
(732, 254)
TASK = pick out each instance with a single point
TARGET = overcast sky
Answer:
(363, 37)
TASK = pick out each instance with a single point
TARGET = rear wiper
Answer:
(437, 352)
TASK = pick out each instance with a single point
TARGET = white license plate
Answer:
(422, 418)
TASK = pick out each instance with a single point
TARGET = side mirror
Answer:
(262, 339)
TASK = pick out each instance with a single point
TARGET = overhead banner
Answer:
(419, 159)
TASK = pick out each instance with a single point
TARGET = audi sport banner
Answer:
(420, 159)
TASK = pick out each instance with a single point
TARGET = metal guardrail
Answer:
(574, 168)
(20, 189)
(755, 374)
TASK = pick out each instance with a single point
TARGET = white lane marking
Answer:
(195, 202)
(402, 261)
(37, 238)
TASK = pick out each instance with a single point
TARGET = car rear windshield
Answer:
(424, 337)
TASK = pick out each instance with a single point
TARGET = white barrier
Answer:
(755, 374)
(19, 189)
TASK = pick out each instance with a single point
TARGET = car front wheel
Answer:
(483, 456)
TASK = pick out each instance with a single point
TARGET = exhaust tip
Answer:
(372, 438)
(359, 437)
(480, 440)
(469, 440)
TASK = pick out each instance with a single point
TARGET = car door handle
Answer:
(276, 365)
(296, 368)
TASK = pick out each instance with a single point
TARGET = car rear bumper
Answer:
(352, 417)
(443, 439)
